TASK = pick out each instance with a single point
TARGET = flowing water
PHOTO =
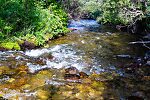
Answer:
(100, 53)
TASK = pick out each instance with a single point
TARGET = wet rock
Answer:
(26, 87)
(6, 70)
(67, 93)
(73, 73)
(15, 83)
(71, 77)
(103, 77)
(22, 68)
(11, 80)
(40, 61)
(83, 75)
(2, 49)
(71, 70)
(28, 45)
(86, 92)
(40, 78)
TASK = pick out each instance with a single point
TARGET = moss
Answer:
(10, 45)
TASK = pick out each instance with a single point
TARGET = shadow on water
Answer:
(90, 63)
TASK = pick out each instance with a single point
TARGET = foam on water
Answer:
(36, 53)
(64, 56)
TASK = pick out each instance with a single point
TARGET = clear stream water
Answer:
(104, 54)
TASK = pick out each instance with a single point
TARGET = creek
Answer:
(97, 58)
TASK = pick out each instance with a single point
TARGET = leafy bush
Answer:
(51, 20)
(120, 11)
(26, 19)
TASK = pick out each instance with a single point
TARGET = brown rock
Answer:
(2, 49)
(71, 70)
(28, 45)
(83, 75)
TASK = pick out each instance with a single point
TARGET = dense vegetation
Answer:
(35, 21)
(116, 12)
(120, 11)
(82, 8)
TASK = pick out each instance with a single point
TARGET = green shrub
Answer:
(35, 18)
(112, 11)
(122, 11)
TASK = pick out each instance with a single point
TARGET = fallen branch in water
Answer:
(140, 42)
(145, 44)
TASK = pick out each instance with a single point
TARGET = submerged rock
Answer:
(43, 95)
(71, 77)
